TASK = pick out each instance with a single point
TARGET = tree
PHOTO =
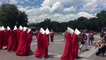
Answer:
(22, 19)
(101, 18)
(10, 16)
(81, 21)
(45, 24)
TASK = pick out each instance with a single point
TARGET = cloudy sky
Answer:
(58, 10)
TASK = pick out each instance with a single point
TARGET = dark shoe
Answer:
(86, 49)
(78, 57)
(102, 54)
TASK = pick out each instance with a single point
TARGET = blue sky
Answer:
(58, 10)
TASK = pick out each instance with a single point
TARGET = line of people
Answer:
(71, 45)
(19, 40)
(42, 43)
(86, 39)
(16, 40)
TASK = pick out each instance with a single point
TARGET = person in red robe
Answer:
(75, 43)
(8, 33)
(1, 39)
(5, 38)
(29, 40)
(46, 42)
(18, 34)
(40, 44)
(23, 44)
(12, 42)
(68, 55)
(16, 40)
(4, 41)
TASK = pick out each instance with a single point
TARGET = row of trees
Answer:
(11, 16)
(95, 23)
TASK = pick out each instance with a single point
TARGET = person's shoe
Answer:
(78, 57)
(102, 54)
(86, 49)
(43, 58)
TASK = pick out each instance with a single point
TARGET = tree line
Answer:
(94, 24)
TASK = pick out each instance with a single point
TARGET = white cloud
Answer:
(0, 3)
(34, 11)
(39, 14)
(62, 17)
(48, 2)
(13, 1)
(85, 14)
(57, 7)
(91, 5)
(37, 11)
(45, 9)
(71, 2)
(22, 2)
(70, 9)
(22, 8)
(54, 5)
(64, 2)
(102, 3)
(33, 17)
(28, 0)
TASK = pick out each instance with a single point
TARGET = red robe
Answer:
(46, 44)
(8, 33)
(40, 44)
(18, 33)
(67, 55)
(12, 42)
(18, 36)
(75, 45)
(5, 38)
(29, 41)
(1, 39)
(23, 45)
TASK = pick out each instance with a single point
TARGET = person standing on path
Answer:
(52, 35)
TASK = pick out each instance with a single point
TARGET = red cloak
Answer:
(67, 55)
(18, 32)
(75, 45)
(29, 41)
(46, 44)
(42, 43)
(12, 42)
(5, 38)
(23, 45)
(1, 39)
(8, 34)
